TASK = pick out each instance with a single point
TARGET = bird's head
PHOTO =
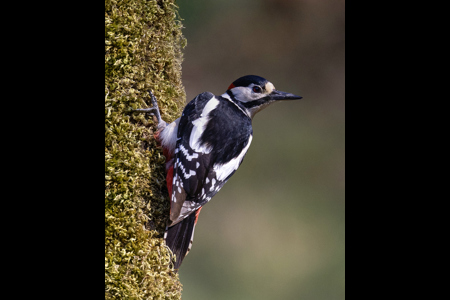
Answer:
(256, 93)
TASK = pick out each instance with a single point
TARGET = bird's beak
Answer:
(279, 95)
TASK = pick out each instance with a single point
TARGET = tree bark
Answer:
(143, 50)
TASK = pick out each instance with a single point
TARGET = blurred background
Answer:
(276, 229)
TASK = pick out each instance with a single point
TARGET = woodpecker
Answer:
(203, 149)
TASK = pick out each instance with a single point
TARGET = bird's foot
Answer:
(152, 111)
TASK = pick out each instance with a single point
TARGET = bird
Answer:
(205, 147)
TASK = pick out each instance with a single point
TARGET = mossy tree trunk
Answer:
(143, 51)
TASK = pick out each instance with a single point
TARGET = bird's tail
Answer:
(180, 236)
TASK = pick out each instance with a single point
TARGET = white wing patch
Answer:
(200, 126)
(224, 170)
(185, 174)
(186, 153)
(213, 182)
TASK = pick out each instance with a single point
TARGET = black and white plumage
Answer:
(211, 139)
(218, 139)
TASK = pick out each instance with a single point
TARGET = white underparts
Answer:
(168, 136)
(224, 170)
(200, 126)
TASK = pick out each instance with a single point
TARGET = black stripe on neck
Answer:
(250, 104)
(255, 103)
(238, 103)
(232, 96)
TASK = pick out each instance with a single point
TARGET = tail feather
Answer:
(179, 237)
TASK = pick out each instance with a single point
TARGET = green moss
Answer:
(143, 44)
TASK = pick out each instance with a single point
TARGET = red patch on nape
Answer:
(231, 86)
(196, 214)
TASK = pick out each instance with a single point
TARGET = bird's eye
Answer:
(256, 89)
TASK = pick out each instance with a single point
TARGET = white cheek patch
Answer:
(243, 94)
(200, 126)
(223, 171)
(269, 87)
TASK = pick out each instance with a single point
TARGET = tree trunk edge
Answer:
(143, 50)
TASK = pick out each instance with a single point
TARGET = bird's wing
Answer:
(207, 153)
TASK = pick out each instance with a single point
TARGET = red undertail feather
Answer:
(196, 214)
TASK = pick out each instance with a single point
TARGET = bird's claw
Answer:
(151, 111)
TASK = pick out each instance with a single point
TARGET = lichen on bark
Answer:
(143, 50)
